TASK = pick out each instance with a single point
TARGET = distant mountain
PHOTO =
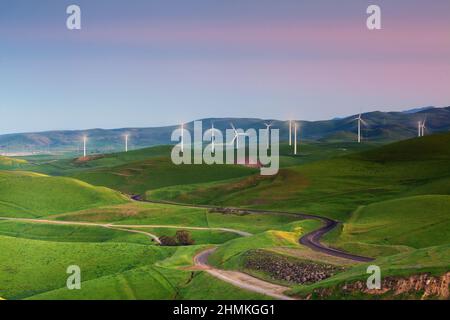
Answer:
(381, 126)
(417, 110)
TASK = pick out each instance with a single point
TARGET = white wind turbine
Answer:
(290, 132)
(182, 137)
(213, 137)
(419, 128)
(126, 142)
(268, 125)
(84, 146)
(423, 127)
(236, 136)
(360, 121)
(295, 138)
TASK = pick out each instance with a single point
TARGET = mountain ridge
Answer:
(382, 126)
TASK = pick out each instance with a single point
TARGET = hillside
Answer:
(333, 187)
(382, 126)
(10, 163)
(25, 194)
(398, 225)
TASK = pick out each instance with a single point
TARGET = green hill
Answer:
(28, 194)
(334, 187)
(397, 225)
(140, 176)
(9, 163)
(432, 147)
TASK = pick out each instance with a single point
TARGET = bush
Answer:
(184, 238)
(168, 241)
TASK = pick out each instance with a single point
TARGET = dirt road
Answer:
(239, 279)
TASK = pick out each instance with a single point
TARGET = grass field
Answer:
(109, 271)
(66, 233)
(25, 194)
(7, 163)
(393, 200)
(431, 260)
(162, 214)
(396, 225)
(333, 187)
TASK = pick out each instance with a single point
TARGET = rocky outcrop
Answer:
(288, 269)
(423, 286)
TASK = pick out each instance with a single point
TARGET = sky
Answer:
(139, 63)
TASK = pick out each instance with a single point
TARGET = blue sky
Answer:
(148, 63)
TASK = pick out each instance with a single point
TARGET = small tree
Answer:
(184, 238)
(168, 241)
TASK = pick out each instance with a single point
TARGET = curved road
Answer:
(310, 240)
(240, 279)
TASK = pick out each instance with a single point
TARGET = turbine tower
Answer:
(84, 145)
(236, 136)
(295, 138)
(360, 121)
(290, 132)
(423, 127)
(126, 142)
(268, 125)
(419, 128)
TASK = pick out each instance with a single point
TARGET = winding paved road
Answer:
(310, 240)
(245, 281)
(239, 279)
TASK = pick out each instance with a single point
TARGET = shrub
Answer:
(184, 238)
(168, 241)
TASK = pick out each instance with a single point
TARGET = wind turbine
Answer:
(126, 142)
(360, 121)
(236, 136)
(84, 145)
(290, 132)
(213, 138)
(268, 125)
(419, 128)
(423, 127)
(295, 138)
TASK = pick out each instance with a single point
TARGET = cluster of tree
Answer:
(181, 238)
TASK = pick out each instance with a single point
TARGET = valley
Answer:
(329, 213)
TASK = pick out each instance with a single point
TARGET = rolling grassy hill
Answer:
(393, 200)
(334, 187)
(11, 163)
(25, 194)
(430, 260)
(398, 225)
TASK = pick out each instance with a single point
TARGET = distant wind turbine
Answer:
(295, 138)
(360, 121)
(423, 127)
(126, 142)
(268, 125)
(236, 136)
(419, 128)
(290, 132)
(84, 146)
(213, 137)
